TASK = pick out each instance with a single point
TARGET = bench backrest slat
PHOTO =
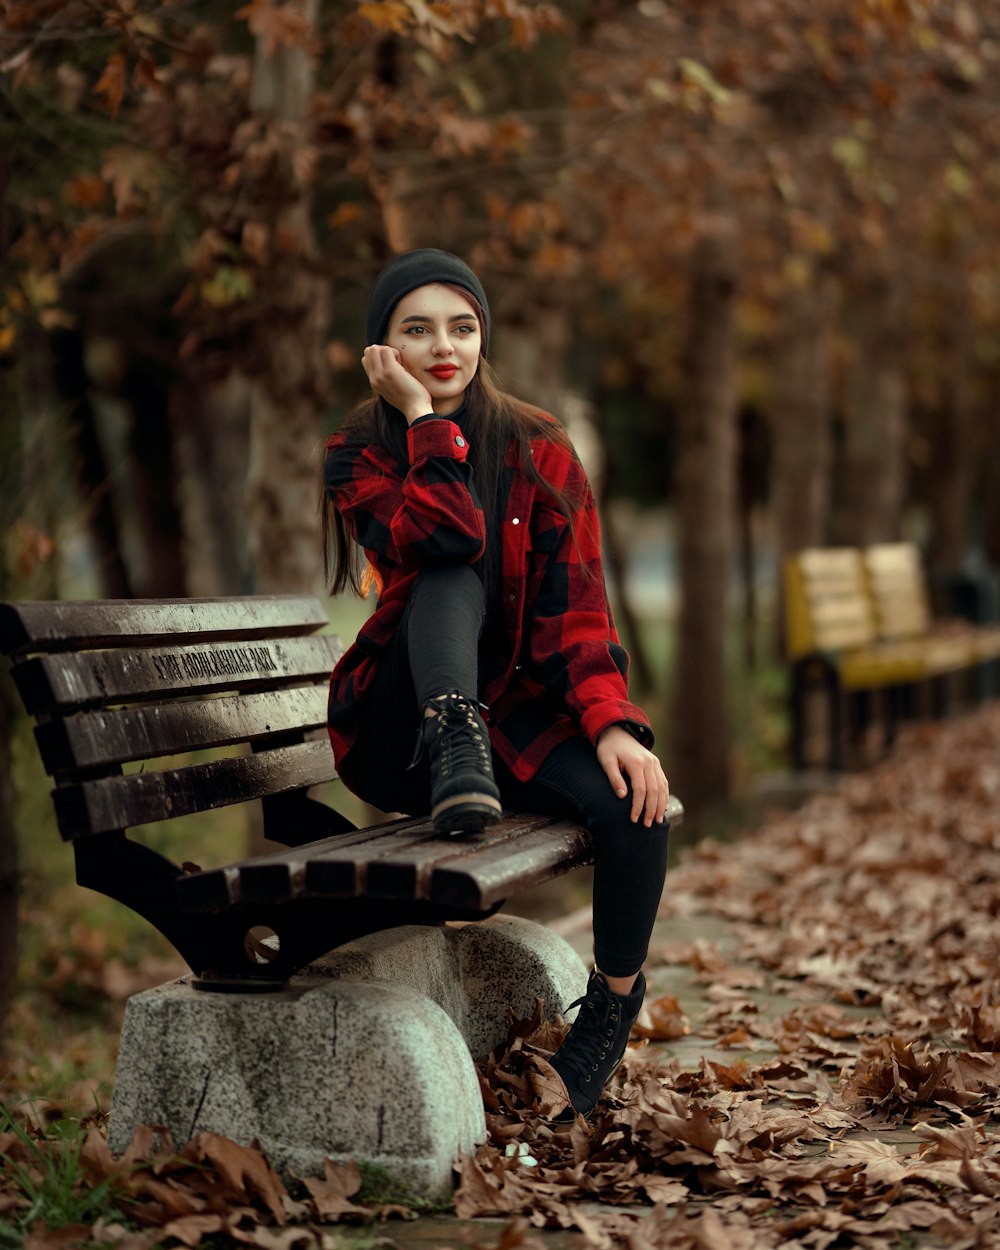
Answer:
(898, 590)
(126, 692)
(94, 678)
(827, 607)
(121, 735)
(80, 624)
(111, 803)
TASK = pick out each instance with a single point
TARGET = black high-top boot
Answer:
(464, 796)
(596, 1042)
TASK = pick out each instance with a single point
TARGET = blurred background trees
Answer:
(748, 252)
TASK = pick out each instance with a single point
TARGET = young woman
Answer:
(472, 514)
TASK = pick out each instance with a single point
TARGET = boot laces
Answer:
(458, 737)
(593, 1031)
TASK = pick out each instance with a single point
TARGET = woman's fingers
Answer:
(639, 791)
(650, 792)
(389, 378)
(612, 771)
(618, 753)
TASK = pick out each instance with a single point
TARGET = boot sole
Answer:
(465, 813)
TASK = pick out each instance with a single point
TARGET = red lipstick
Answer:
(444, 372)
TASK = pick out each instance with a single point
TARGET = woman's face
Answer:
(436, 332)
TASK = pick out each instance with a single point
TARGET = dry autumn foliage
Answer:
(846, 1092)
(862, 1115)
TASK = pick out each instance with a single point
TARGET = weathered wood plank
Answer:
(491, 874)
(144, 798)
(279, 876)
(406, 871)
(88, 678)
(120, 735)
(405, 856)
(341, 872)
(46, 625)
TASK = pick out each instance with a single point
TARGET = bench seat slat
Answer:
(494, 873)
(120, 735)
(111, 803)
(409, 861)
(407, 871)
(338, 872)
(88, 679)
(74, 625)
(280, 875)
(339, 869)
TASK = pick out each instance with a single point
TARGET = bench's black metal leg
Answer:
(215, 944)
(797, 709)
(860, 708)
(895, 710)
(835, 725)
(939, 696)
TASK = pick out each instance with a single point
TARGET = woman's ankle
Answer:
(622, 986)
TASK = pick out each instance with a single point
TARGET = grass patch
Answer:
(45, 1184)
(378, 1188)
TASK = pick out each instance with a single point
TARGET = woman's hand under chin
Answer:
(397, 387)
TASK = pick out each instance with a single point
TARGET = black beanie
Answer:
(413, 269)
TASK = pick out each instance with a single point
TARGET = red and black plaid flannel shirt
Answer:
(563, 669)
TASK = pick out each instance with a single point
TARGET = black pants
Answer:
(436, 649)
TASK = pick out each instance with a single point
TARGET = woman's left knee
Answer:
(612, 824)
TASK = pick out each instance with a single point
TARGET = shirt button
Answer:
(459, 441)
(516, 521)
(511, 598)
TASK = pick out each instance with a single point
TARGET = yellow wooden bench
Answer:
(902, 605)
(859, 622)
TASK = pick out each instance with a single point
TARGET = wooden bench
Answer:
(124, 693)
(858, 622)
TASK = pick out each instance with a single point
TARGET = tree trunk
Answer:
(287, 391)
(990, 498)
(287, 396)
(955, 449)
(706, 468)
(93, 473)
(212, 424)
(153, 477)
(616, 569)
(803, 445)
(873, 470)
(9, 876)
(801, 423)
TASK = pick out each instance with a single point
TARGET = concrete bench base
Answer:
(367, 1055)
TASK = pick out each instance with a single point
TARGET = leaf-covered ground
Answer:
(835, 1078)
(818, 1065)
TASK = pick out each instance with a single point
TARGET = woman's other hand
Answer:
(619, 753)
(397, 387)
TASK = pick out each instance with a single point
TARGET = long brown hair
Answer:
(492, 419)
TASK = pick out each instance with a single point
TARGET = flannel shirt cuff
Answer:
(440, 437)
(600, 718)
